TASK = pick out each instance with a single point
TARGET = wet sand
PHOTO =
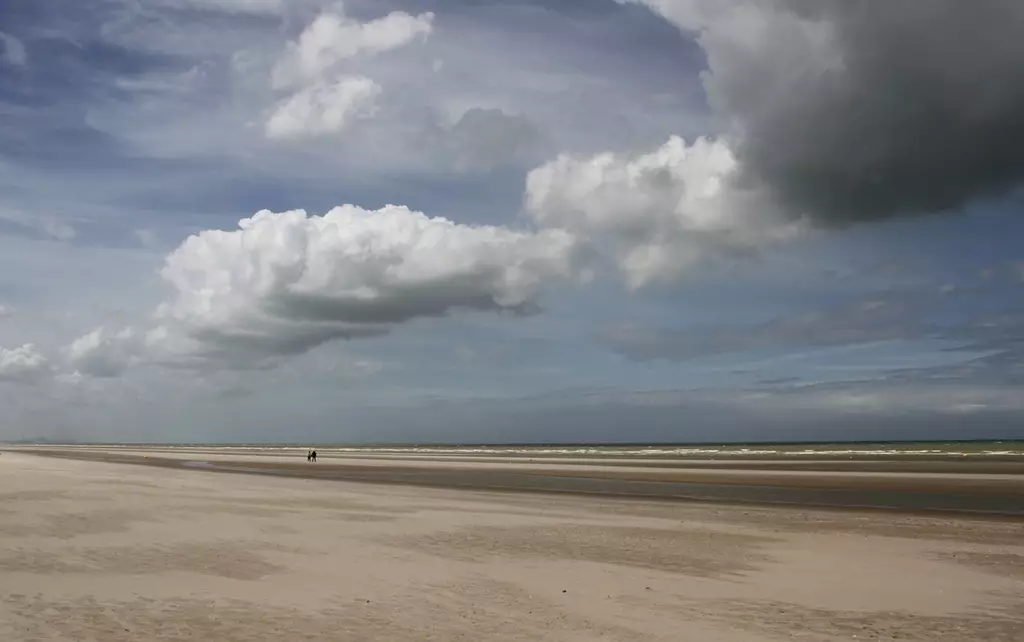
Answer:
(97, 551)
(975, 486)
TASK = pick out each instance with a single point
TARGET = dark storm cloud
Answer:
(852, 110)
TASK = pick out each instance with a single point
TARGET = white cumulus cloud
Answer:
(323, 108)
(101, 353)
(22, 364)
(657, 213)
(285, 282)
(323, 96)
(334, 37)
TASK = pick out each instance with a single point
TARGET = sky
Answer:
(507, 221)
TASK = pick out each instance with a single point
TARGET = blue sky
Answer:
(662, 220)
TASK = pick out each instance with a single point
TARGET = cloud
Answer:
(147, 238)
(851, 112)
(1017, 267)
(38, 226)
(22, 364)
(828, 113)
(12, 51)
(884, 317)
(333, 37)
(59, 230)
(323, 98)
(657, 213)
(103, 354)
(465, 353)
(323, 108)
(959, 341)
(253, 7)
(483, 138)
(285, 282)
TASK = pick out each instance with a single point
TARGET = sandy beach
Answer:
(103, 551)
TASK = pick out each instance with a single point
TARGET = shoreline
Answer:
(909, 487)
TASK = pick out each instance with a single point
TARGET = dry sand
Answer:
(102, 552)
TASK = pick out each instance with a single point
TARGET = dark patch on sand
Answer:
(301, 504)
(31, 495)
(1004, 564)
(698, 552)
(67, 526)
(234, 560)
(479, 610)
(791, 621)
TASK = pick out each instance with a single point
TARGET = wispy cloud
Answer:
(43, 227)
(888, 316)
(12, 51)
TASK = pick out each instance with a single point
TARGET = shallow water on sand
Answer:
(910, 450)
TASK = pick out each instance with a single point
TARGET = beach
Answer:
(111, 544)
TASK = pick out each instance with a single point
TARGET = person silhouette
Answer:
(313, 455)
(309, 455)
